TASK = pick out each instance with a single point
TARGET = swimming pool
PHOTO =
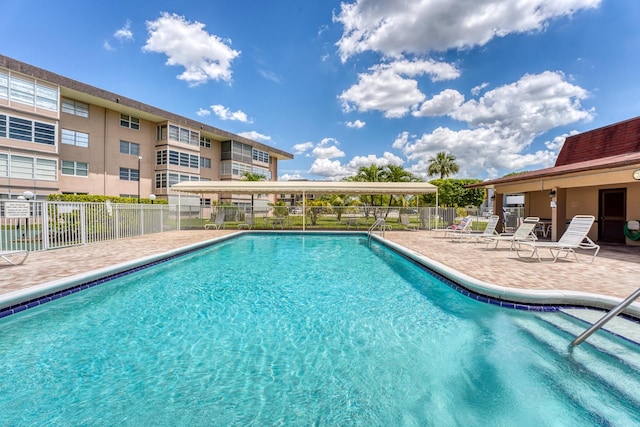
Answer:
(297, 330)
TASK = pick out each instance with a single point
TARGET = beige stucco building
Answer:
(58, 135)
(596, 173)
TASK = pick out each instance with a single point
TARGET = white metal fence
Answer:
(42, 225)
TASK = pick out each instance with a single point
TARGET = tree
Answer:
(371, 173)
(249, 176)
(395, 173)
(443, 164)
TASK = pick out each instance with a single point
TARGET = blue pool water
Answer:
(301, 330)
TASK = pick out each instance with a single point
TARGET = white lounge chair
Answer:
(525, 232)
(476, 236)
(464, 224)
(219, 222)
(9, 257)
(574, 237)
(248, 222)
(403, 219)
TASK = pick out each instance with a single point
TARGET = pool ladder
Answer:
(610, 315)
(379, 223)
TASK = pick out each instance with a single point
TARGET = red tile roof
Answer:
(613, 140)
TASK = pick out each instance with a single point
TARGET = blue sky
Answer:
(340, 85)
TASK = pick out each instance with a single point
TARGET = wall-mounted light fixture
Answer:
(552, 193)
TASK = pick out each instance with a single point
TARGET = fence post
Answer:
(83, 225)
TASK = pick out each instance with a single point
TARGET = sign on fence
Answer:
(16, 209)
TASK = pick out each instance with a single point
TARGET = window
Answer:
(129, 148)
(76, 108)
(164, 179)
(161, 133)
(23, 91)
(28, 92)
(205, 163)
(260, 156)
(71, 137)
(75, 168)
(46, 98)
(20, 129)
(26, 167)
(129, 122)
(27, 130)
(262, 171)
(177, 158)
(4, 86)
(205, 142)
(46, 170)
(234, 150)
(184, 135)
(205, 203)
(127, 174)
(4, 165)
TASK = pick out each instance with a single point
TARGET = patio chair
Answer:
(574, 237)
(248, 222)
(464, 224)
(8, 257)
(476, 236)
(219, 222)
(404, 221)
(525, 232)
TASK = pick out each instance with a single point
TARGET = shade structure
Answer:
(303, 187)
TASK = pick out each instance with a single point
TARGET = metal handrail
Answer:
(614, 312)
(378, 222)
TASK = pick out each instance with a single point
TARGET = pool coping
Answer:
(501, 295)
(532, 300)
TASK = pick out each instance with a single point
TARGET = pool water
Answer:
(301, 330)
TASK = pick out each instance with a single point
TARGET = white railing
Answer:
(42, 225)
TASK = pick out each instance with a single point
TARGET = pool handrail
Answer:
(604, 319)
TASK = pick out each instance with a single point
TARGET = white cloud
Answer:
(386, 160)
(124, 34)
(357, 124)
(329, 169)
(475, 91)
(502, 125)
(393, 28)
(290, 177)
(107, 46)
(327, 148)
(302, 148)
(225, 114)
(203, 112)
(441, 104)
(391, 87)
(256, 136)
(204, 56)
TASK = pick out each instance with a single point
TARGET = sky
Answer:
(499, 84)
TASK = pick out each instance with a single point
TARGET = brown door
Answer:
(612, 215)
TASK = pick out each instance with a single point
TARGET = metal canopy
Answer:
(303, 187)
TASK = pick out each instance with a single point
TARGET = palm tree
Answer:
(395, 173)
(249, 176)
(443, 164)
(371, 173)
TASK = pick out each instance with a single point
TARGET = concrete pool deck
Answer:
(615, 272)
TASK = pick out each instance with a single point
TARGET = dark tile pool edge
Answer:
(42, 299)
(418, 259)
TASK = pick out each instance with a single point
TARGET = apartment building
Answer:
(58, 135)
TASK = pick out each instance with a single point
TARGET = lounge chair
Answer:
(464, 224)
(525, 232)
(248, 222)
(8, 257)
(219, 222)
(404, 221)
(574, 237)
(476, 236)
